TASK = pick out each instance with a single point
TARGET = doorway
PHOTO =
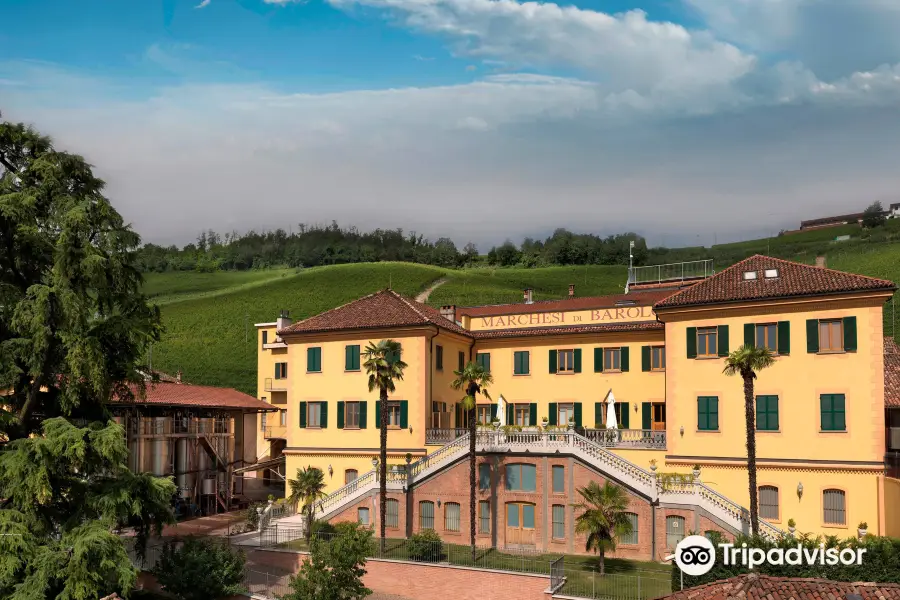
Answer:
(519, 524)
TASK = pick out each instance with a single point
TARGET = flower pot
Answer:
(696, 473)
(862, 532)
(791, 530)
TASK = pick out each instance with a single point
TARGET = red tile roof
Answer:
(201, 396)
(586, 303)
(794, 279)
(753, 586)
(569, 329)
(382, 309)
(891, 373)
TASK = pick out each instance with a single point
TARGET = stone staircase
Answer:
(687, 492)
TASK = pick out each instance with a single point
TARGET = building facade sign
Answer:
(618, 314)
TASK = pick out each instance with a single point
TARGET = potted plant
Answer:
(653, 465)
(696, 471)
(792, 526)
(544, 422)
(571, 425)
(408, 457)
(862, 529)
(496, 423)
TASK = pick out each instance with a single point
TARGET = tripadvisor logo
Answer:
(695, 555)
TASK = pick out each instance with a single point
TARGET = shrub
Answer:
(863, 525)
(425, 546)
(335, 568)
(200, 569)
(792, 523)
(323, 529)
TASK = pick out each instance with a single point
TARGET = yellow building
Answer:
(655, 354)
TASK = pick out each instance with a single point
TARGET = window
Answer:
(559, 521)
(631, 538)
(767, 413)
(612, 359)
(834, 503)
(439, 358)
(674, 531)
(314, 414)
(484, 476)
(350, 475)
(565, 361)
(749, 275)
(282, 418)
(483, 413)
(767, 336)
(363, 515)
(484, 360)
(619, 408)
(440, 418)
(559, 479)
(522, 415)
(392, 513)
(484, 516)
(831, 336)
(521, 478)
(706, 341)
(351, 358)
(265, 337)
(771, 273)
(426, 515)
(566, 413)
(351, 415)
(262, 421)
(768, 502)
(451, 516)
(521, 362)
(281, 370)
(833, 415)
(314, 360)
(462, 360)
(708, 413)
(393, 414)
(658, 358)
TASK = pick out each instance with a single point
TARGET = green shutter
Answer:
(598, 360)
(784, 337)
(714, 413)
(404, 414)
(493, 412)
(598, 414)
(750, 334)
(850, 334)
(624, 358)
(553, 361)
(362, 414)
(511, 414)
(645, 358)
(625, 422)
(812, 336)
(378, 414)
(462, 360)
(324, 423)
(303, 414)
(578, 414)
(577, 354)
(340, 423)
(532, 414)
(348, 361)
(277, 370)
(702, 413)
(691, 342)
(552, 416)
(722, 338)
(646, 415)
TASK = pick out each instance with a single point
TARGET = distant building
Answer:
(894, 211)
(831, 221)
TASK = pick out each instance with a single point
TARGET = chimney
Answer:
(178, 377)
(529, 299)
(571, 290)
(820, 261)
(449, 312)
(284, 320)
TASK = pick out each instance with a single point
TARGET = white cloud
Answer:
(203, 4)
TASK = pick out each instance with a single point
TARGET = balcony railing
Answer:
(607, 438)
(275, 385)
(671, 272)
(275, 432)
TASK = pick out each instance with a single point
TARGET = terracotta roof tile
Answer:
(794, 279)
(586, 303)
(891, 373)
(753, 586)
(182, 394)
(569, 329)
(386, 308)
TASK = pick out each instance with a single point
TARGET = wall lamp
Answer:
(330, 471)
(682, 431)
(800, 490)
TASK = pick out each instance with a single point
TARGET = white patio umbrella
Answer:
(501, 409)
(611, 422)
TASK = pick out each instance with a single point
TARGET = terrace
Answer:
(607, 438)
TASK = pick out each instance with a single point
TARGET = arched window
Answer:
(674, 531)
(633, 537)
(392, 513)
(451, 516)
(768, 502)
(426, 514)
(835, 504)
(350, 475)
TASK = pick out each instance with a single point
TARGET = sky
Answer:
(687, 121)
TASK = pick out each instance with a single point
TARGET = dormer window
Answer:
(749, 275)
(771, 273)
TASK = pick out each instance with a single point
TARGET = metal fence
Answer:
(637, 585)
(557, 573)
(271, 584)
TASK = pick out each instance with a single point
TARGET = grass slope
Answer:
(874, 260)
(212, 339)
(163, 288)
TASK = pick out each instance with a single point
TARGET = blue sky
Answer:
(685, 120)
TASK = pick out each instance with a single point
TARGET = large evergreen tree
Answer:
(73, 329)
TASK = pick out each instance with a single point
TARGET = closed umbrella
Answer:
(501, 409)
(611, 422)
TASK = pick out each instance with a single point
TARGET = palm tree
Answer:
(384, 366)
(308, 488)
(474, 379)
(604, 518)
(747, 361)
